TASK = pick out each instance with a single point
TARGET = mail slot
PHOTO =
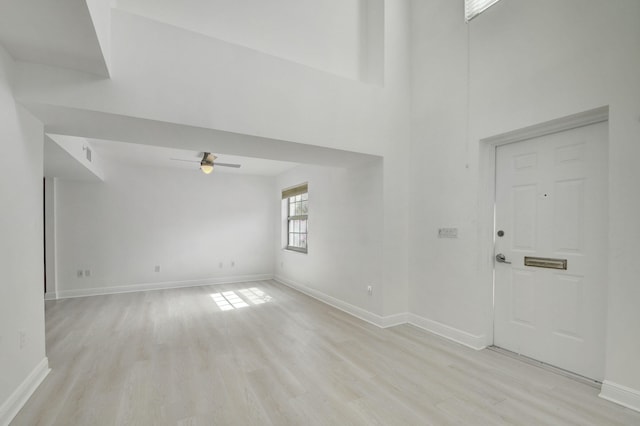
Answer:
(544, 262)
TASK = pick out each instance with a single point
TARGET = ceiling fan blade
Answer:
(188, 161)
(206, 157)
(237, 166)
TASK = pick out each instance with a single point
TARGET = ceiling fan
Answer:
(207, 162)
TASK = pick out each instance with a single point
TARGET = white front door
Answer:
(551, 203)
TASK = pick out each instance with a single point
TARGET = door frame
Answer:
(487, 186)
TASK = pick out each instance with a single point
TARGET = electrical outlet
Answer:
(79, 273)
(157, 268)
(370, 290)
(87, 272)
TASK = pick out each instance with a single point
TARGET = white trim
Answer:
(83, 292)
(621, 395)
(50, 295)
(487, 165)
(459, 336)
(21, 395)
(393, 320)
(581, 119)
(443, 330)
(363, 314)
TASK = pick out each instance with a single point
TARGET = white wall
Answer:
(345, 237)
(21, 245)
(326, 38)
(76, 148)
(530, 62)
(443, 272)
(186, 222)
(218, 85)
(100, 12)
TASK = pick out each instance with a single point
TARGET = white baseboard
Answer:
(443, 330)
(393, 320)
(21, 395)
(50, 295)
(621, 395)
(83, 292)
(459, 336)
(363, 314)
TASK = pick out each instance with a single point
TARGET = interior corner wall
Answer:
(22, 342)
(345, 235)
(443, 285)
(197, 228)
(519, 64)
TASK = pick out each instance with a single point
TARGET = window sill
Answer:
(295, 250)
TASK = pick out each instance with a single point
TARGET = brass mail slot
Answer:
(543, 262)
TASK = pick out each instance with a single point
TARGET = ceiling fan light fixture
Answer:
(206, 165)
(206, 168)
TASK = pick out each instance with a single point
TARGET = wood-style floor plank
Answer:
(274, 356)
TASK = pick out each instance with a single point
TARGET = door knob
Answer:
(501, 259)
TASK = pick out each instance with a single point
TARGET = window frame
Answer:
(290, 195)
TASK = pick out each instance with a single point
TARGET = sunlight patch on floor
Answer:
(229, 300)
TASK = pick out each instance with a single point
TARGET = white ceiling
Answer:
(58, 33)
(154, 156)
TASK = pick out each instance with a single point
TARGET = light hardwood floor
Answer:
(174, 357)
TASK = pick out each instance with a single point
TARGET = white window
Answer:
(297, 207)
(473, 8)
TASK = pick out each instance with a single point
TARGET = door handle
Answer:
(501, 259)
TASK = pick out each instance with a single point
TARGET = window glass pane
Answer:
(299, 197)
(305, 208)
(298, 209)
(292, 209)
(296, 225)
(305, 196)
(303, 240)
(290, 242)
(296, 240)
(303, 226)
